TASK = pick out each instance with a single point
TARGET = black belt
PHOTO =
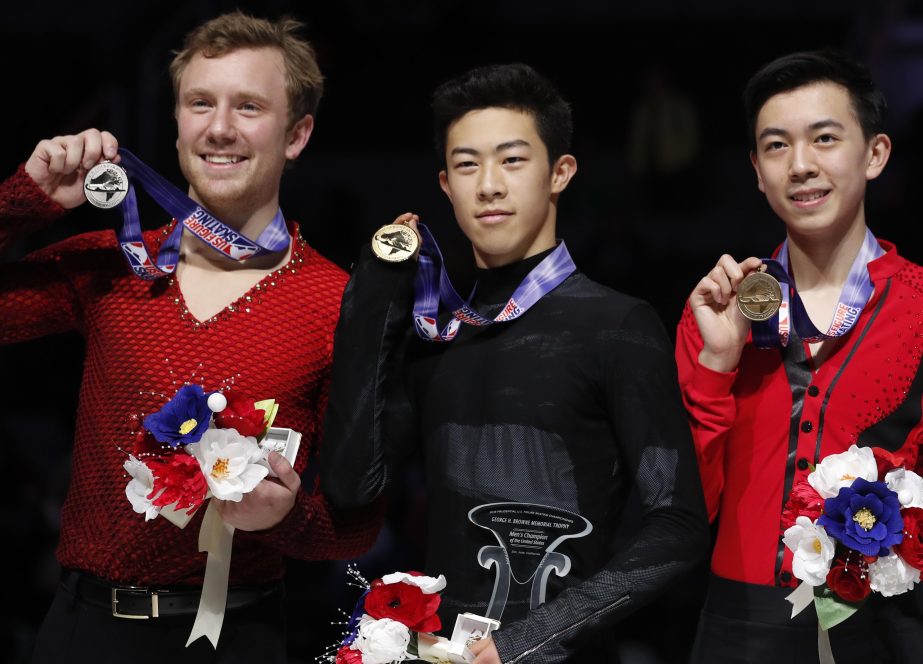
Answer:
(144, 603)
(764, 604)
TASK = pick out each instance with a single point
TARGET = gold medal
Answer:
(106, 185)
(395, 243)
(759, 296)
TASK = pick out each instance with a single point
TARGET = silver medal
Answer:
(106, 185)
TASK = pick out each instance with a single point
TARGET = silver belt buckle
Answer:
(155, 610)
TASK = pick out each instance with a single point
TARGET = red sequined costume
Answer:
(141, 343)
(762, 428)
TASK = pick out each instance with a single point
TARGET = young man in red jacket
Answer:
(767, 406)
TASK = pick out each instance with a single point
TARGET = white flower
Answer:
(890, 575)
(813, 551)
(907, 485)
(427, 584)
(840, 470)
(229, 461)
(139, 488)
(381, 641)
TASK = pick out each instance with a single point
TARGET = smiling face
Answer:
(502, 188)
(234, 136)
(813, 162)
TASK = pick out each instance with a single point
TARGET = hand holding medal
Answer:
(757, 293)
(58, 165)
(766, 295)
(398, 241)
(723, 325)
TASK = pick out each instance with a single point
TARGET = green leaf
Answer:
(831, 610)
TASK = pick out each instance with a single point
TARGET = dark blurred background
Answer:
(652, 207)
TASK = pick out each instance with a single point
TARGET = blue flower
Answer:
(183, 419)
(865, 516)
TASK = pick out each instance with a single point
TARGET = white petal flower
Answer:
(381, 641)
(890, 575)
(907, 485)
(840, 470)
(229, 461)
(140, 487)
(427, 584)
(813, 550)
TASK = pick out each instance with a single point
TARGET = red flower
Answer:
(406, 604)
(144, 445)
(905, 457)
(347, 655)
(802, 501)
(241, 415)
(177, 479)
(911, 548)
(849, 576)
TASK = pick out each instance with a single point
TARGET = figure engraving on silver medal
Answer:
(106, 185)
(395, 243)
(759, 296)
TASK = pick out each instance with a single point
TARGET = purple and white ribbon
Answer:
(432, 287)
(190, 215)
(857, 290)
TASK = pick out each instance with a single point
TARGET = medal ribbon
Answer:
(856, 292)
(432, 287)
(190, 215)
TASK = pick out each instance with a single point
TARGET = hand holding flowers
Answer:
(269, 503)
(203, 453)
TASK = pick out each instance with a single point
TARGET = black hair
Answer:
(803, 68)
(514, 86)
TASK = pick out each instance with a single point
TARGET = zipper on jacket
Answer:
(617, 603)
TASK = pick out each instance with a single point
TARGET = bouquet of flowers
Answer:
(855, 526)
(199, 445)
(388, 618)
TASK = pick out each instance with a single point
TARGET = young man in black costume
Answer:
(535, 428)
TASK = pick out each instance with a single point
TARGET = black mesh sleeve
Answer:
(360, 426)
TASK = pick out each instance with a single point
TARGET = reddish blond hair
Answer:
(229, 32)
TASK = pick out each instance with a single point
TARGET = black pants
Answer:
(77, 632)
(743, 623)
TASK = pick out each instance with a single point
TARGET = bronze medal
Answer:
(759, 296)
(395, 243)
(106, 185)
